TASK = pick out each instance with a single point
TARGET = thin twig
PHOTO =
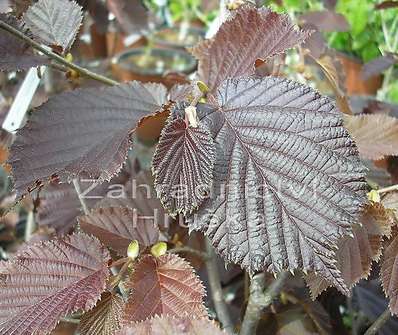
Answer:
(203, 255)
(56, 57)
(216, 290)
(380, 321)
(30, 225)
(259, 300)
(388, 189)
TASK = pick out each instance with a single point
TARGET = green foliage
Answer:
(356, 15)
(392, 94)
(189, 10)
(295, 6)
(365, 38)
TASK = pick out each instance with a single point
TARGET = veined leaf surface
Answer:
(82, 131)
(50, 280)
(288, 182)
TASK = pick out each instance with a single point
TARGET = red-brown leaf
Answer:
(104, 318)
(166, 285)
(183, 166)
(82, 132)
(274, 137)
(50, 280)
(167, 325)
(251, 34)
(116, 227)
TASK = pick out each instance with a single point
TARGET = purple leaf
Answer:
(60, 206)
(388, 272)
(288, 181)
(315, 43)
(180, 92)
(54, 22)
(326, 20)
(116, 227)
(329, 4)
(183, 166)
(251, 34)
(50, 280)
(139, 196)
(378, 65)
(166, 285)
(85, 131)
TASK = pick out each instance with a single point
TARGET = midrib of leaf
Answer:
(258, 167)
(272, 189)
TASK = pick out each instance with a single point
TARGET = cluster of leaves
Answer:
(264, 167)
(48, 281)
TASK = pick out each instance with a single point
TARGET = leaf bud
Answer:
(133, 249)
(159, 249)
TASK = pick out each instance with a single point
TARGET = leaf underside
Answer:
(54, 22)
(166, 325)
(375, 135)
(251, 34)
(356, 254)
(14, 53)
(50, 280)
(116, 227)
(59, 207)
(166, 285)
(182, 166)
(85, 131)
(288, 181)
(104, 318)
